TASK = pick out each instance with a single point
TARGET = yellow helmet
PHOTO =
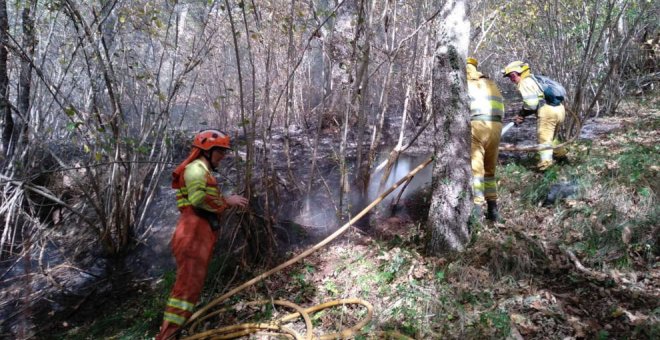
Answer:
(516, 66)
(472, 61)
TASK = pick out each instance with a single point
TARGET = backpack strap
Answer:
(536, 80)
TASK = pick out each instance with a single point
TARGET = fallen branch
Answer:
(547, 250)
(652, 296)
(578, 265)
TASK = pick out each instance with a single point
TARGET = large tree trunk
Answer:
(451, 202)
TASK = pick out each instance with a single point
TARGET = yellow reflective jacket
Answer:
(200, 189)
(531, 93)
(486, 102)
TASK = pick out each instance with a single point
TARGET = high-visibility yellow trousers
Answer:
(550, 118)
(483, 153)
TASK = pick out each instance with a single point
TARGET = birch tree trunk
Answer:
(451, 202)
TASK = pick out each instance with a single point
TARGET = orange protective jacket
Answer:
(193, 240)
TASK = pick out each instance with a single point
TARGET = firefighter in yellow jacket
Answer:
(200, 204)
(549, 117)
(486, 113)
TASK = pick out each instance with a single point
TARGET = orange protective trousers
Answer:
(192, 246)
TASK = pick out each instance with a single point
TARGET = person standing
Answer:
(200, 204)
(486, 113)
(550, 115)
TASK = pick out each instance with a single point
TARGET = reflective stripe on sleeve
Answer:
(197, 197)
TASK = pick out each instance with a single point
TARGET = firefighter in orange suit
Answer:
(550, 117)
(486, 112)
(200, 204)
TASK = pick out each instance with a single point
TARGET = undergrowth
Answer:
(502, 285)
(612, 218)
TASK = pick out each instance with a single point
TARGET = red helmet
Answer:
(208, 139)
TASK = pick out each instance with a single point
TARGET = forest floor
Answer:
(583, 264)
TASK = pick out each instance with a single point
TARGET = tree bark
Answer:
(5, 110)
(250, 128)
(360, 95)
(451, 202)
(25, 81)
(289, 107)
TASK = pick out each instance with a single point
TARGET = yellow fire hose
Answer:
(231, 332)
(531, 148)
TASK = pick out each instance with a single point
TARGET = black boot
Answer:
(492, 214)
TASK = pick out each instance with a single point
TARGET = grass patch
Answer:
(494, 325)
(612, 220)
(618, 212)
(537, 189)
